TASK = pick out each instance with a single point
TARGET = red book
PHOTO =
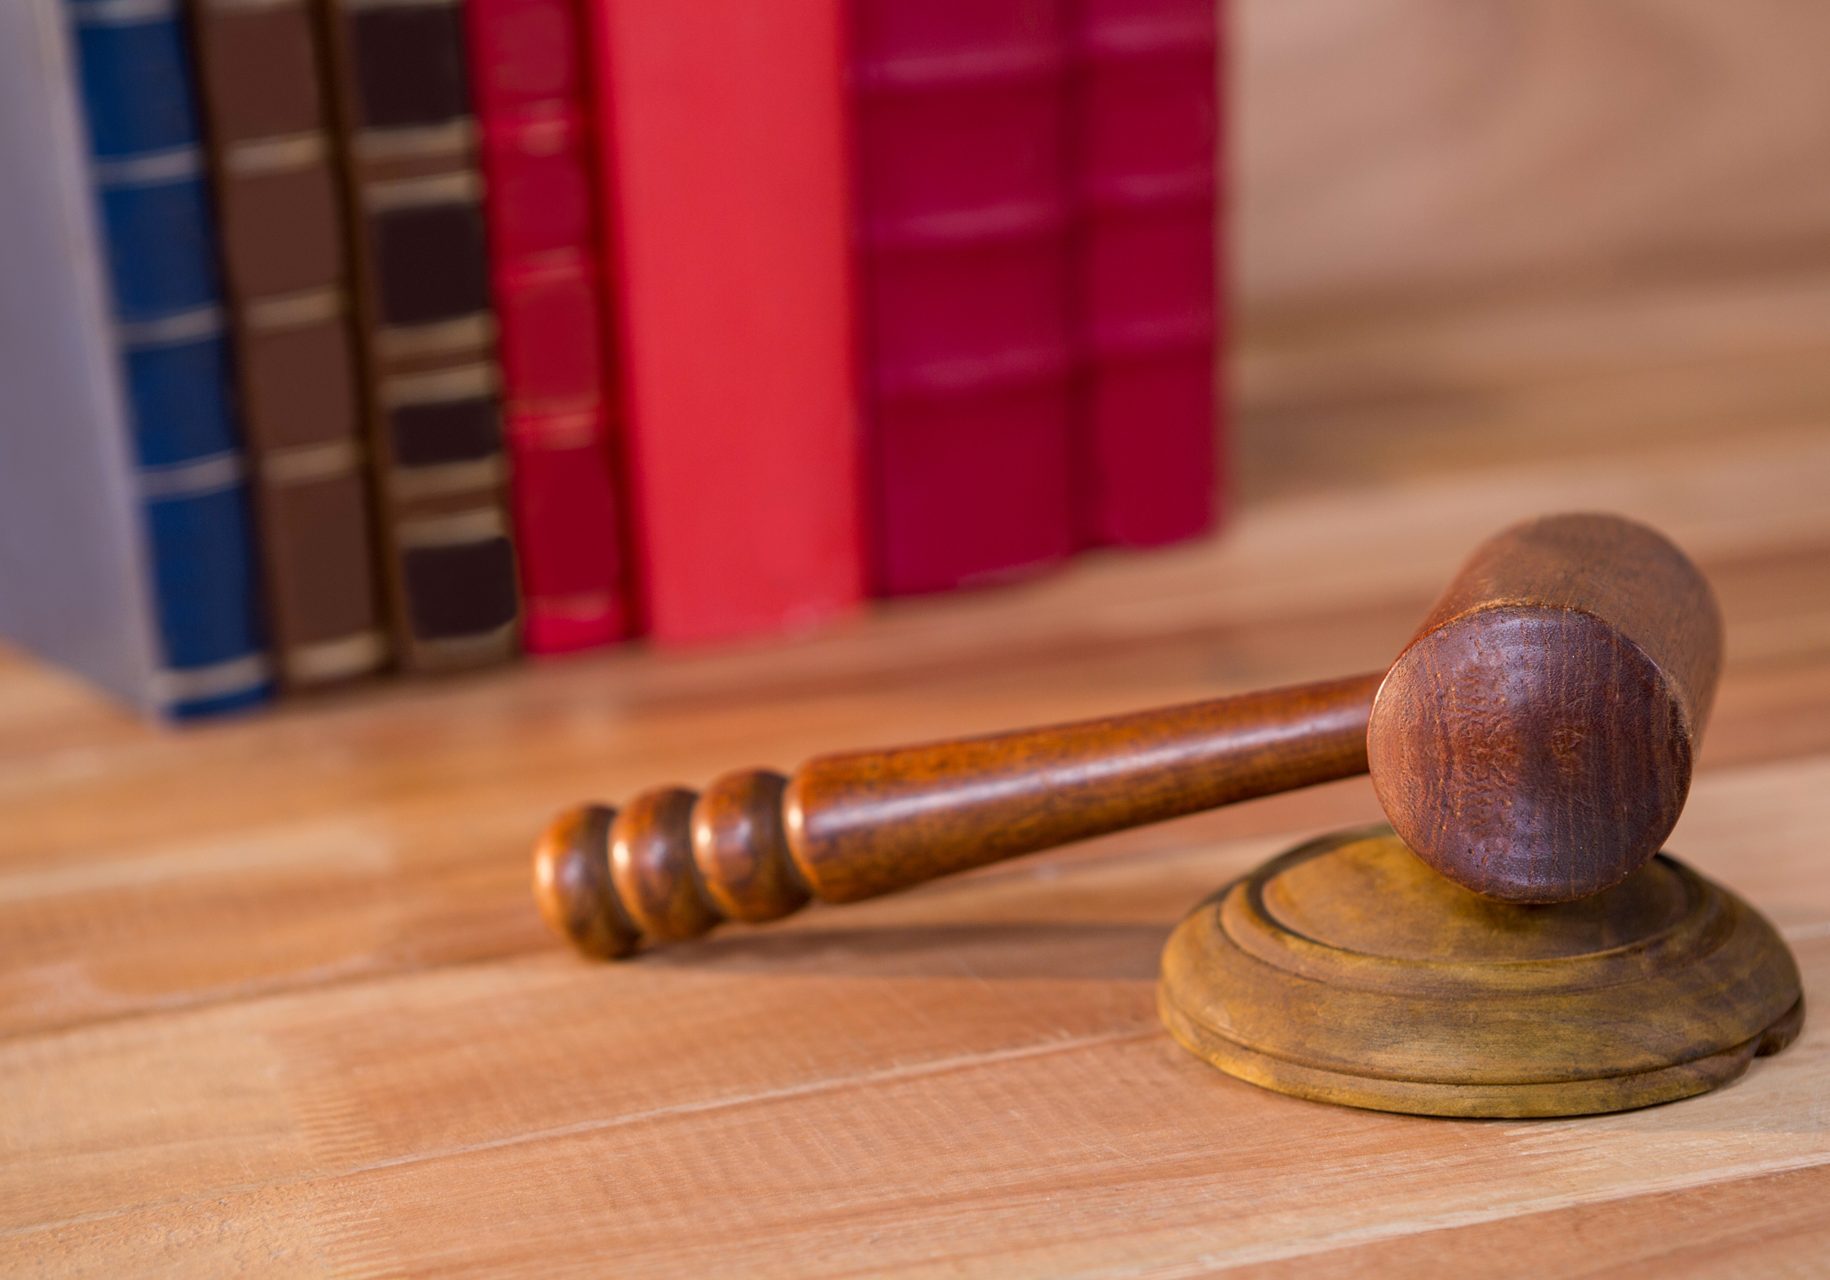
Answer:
(963, 202)
(1146, 124)
(725, 172)
(527, 63)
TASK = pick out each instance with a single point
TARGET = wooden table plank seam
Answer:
(275, 1000)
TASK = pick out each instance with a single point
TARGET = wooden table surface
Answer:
(274, 1000)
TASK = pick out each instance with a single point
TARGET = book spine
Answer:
(1148, 317)
(159, 241)
(526, 60)
(280, 215)
(725, 179)
(413, 201)
(963, 205)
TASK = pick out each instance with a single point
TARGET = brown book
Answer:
(281, 229)
(413, 201)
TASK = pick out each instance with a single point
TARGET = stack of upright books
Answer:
(351, 336)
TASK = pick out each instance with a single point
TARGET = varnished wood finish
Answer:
(1534, 741)
(1346, 972)
(871, 822)
(740, 848)
(572, 884)
(651, 866)
(273, 1000)
(756, 847)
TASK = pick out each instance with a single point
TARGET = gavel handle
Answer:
(756, 846)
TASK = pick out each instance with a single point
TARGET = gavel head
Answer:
(1534, 740)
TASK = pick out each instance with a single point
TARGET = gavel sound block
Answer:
(1509, 946)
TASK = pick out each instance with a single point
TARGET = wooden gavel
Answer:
(1533, 742)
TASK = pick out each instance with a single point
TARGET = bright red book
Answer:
(527, 65)
(964, 199)
(1146, 121)
(725, 171)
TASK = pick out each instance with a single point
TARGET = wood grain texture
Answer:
(1346, 971)
(756, 846)
(1534, 741)
(1762, 1224)
(273, 1000)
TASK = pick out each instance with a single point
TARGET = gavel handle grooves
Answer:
(756, 846)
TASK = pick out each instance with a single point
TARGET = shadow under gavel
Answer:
(1533, 742)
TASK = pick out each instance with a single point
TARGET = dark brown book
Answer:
(413, 199)
(285, 269)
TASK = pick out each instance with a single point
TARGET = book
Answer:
(723, 168)
(1146, 124)
(963, 221)
(280, 216)
(126, 549)
(527, 65)
(413, 201)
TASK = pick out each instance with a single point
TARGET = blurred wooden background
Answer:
(1509, 225)
(1398, 154)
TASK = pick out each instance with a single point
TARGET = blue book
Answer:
(124, 514)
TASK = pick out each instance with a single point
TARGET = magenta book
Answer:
(963, 203)
(1146, 130)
